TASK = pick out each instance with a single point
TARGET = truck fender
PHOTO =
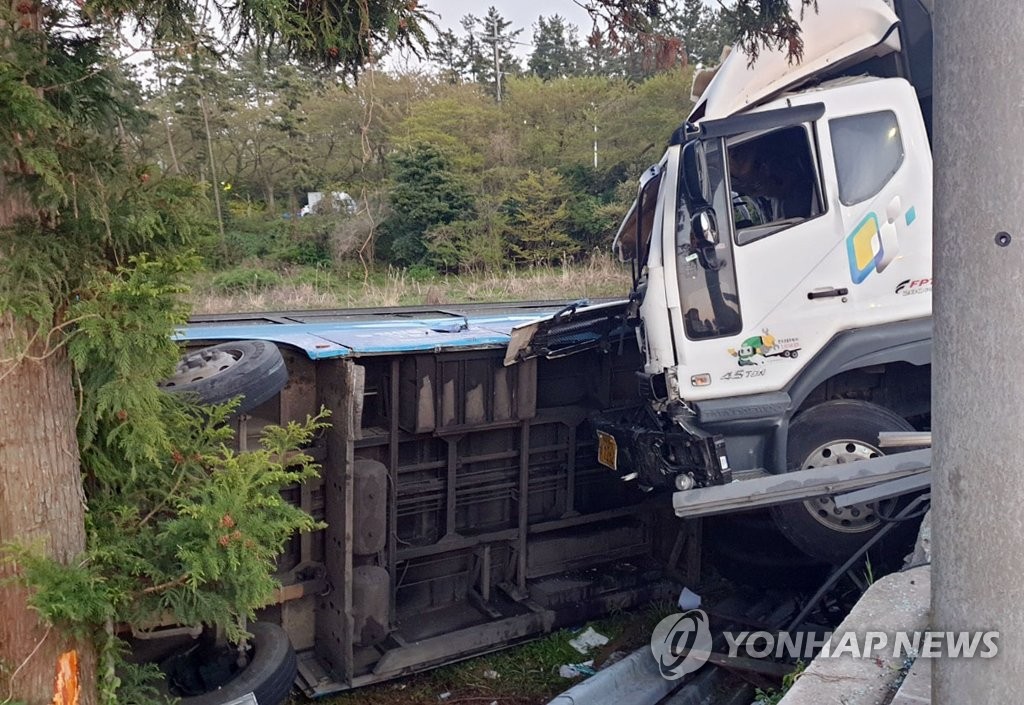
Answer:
(901, 341)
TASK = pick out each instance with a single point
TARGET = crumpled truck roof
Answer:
(840, 31)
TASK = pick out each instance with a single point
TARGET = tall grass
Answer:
(317, 287)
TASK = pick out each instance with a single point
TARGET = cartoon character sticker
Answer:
(764, 346)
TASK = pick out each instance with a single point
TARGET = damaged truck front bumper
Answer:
(661, 458)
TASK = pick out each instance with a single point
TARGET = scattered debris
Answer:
(492, 675)
(588, 640)
(688, 599)
(445, 695)
(575, 670)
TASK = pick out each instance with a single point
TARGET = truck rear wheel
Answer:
(834, 433)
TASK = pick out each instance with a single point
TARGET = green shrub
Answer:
(251, 237)
(241, 279)
(308, 240)
(421, 273)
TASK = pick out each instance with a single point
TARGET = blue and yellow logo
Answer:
(864, 249)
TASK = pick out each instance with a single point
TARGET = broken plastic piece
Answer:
(688, 599)
(575, 670)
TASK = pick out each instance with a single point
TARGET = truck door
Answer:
(876, 143)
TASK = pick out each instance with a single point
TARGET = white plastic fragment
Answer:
(588, 640)
(492, 675)
(688, 599)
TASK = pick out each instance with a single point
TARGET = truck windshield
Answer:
(711, 306)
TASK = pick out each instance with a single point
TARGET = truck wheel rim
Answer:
(848, 520)
(200, 366)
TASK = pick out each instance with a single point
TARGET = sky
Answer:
(522, 13)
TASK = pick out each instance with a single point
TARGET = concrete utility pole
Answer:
(978, 398)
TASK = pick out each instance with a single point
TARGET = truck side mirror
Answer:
(704, 237)
(705, 226)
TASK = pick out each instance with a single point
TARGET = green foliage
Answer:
(340, 34)
(767, 23)
(120, 346)
(539, 219)
(95, 206)
(249, 237)
(251, 279)
(311, 240)
(425, 193)
(458, 123)
(190, 528)
(591, 222)
(177, 522)
(98, 263)
(477, 245)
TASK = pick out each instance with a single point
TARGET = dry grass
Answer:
(309, 288)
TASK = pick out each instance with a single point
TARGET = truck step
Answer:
(905, 439)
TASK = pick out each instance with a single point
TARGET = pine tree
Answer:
(556, 49)
(477, 66)
(425, 193)
(704, 31)
(539, 219)
(446, 53)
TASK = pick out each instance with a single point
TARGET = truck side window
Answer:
(774, 182)
(709, 297)
(626, 238)
(868, 151)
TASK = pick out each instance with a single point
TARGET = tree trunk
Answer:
(213, 176)
(41, 502)
(41, 497)
(978, 398)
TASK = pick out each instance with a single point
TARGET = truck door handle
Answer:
(826, 293)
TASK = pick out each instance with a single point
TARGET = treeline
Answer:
(443, 173)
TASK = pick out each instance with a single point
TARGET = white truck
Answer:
(782, 258)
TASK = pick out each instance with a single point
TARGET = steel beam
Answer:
(795, 486)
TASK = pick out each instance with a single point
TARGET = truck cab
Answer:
(780, 228)
(781, 252)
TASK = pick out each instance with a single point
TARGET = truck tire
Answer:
(830, 433)
(251, 369)
(747, 549)
(269, 675)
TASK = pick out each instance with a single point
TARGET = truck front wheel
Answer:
(833, 433)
